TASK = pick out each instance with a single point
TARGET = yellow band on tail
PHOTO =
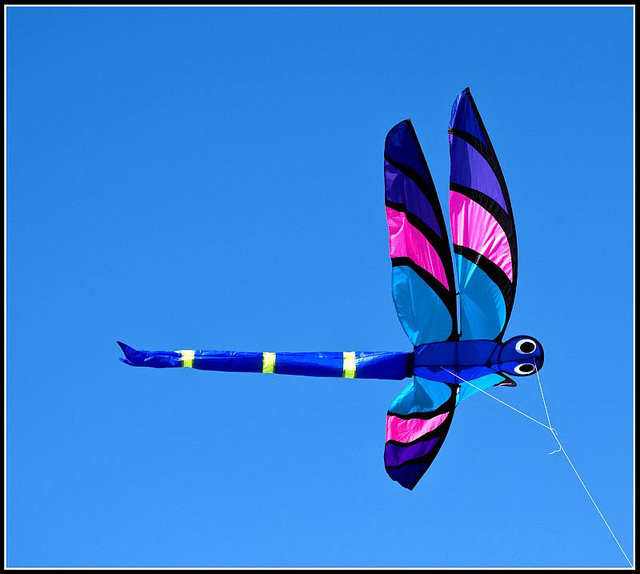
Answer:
(349, 364)
(268, 362)
(187, 358)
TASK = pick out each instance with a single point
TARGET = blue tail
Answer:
(156, 359)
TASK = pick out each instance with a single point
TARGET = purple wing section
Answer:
(402, 190)
(423, 277)
(464, 117)
(470, 169)
(482, 226)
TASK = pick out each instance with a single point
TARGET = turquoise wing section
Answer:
(421, 396)
(483, 311)
(422, 313)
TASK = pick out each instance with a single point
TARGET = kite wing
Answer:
(482, 384)
(482, 226)
(423, 281)
(417, 423)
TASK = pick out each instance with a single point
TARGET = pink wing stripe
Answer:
(406, 241)
(407, 430)
(474, 227)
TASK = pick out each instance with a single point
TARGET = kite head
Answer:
(521, 356)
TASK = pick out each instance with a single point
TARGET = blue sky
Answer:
(211, 178)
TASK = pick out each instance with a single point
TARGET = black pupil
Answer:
(526, 368)
(527, 347)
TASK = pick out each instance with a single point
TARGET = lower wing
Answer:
(418, 421)
(481, 384)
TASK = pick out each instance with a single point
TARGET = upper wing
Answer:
(423, 280)
(482, 227)
(417, 423)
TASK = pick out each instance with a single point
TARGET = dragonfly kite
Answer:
(457, 333)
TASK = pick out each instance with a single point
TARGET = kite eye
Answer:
(526, 346)
(524, 368)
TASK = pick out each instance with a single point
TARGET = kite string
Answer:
(497, 399)
(561, 449)
(546, 410)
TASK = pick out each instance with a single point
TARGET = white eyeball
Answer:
(526, 346)
(524, 368)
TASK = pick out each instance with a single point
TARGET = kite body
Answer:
(446, 361)
(454, 310)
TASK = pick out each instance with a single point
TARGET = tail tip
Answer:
(128, 352)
